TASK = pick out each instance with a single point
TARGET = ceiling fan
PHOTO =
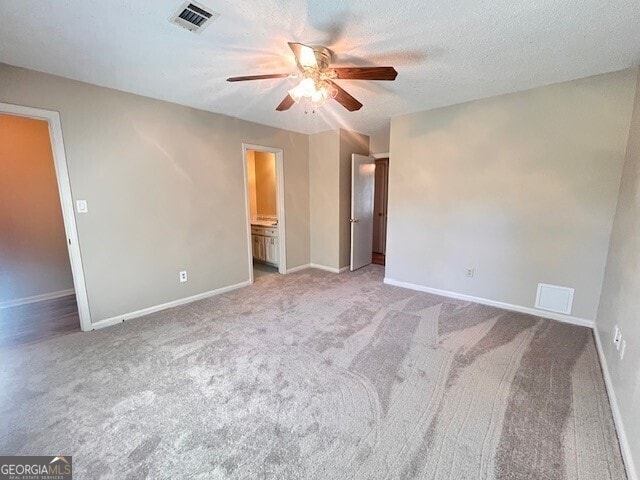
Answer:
(317, 78)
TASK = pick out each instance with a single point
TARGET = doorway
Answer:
(380, 200)
(264, 188)
(369, 198)
(42, 290)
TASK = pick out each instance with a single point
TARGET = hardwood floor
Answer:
(378, 258)
(38, 321)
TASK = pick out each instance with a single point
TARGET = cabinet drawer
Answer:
(257, 230)
(270, 232)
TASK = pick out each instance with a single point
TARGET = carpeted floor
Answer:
(316, 375)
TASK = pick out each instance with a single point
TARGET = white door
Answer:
(258, 247)
(263, 248)
(255, 247)
(276, 251)
(363, 170)
(271, 250)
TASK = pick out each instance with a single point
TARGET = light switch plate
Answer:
(81, 206)
(617, 336)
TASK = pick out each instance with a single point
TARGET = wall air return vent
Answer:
(554, 298)
(193, 16)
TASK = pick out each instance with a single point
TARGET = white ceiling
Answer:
(445, 51)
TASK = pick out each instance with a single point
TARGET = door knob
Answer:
(353, 220)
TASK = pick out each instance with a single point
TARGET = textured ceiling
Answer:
(445, 51)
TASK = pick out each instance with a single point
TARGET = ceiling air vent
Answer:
(193, 16)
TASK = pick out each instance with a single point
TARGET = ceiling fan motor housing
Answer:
(323, 56)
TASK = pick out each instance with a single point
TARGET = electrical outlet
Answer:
(183, 276)
(81, 206)
(617, 336)
(623, 345)
(469, 272)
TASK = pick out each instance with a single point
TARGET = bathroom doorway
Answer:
(264, 186)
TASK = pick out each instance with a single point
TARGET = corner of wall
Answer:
(324, 174)
(619, 302)
(380, 140)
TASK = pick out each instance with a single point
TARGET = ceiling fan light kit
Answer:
(317, 85)
(317, 91)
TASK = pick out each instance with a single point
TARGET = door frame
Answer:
(280, 207)
(66, 201)
(354, 220)
(385, 200)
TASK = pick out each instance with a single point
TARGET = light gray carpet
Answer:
(316, 375)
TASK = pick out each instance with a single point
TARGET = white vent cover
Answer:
(554, 298)
(193, 16)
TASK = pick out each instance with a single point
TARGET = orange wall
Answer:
(251, 177)
(33, 251)
(266, 183)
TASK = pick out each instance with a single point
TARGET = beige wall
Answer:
(380, 141)
(165, 190)
(350, 143)
(521, 187)
(620, 300)
(33, 249)
(330, 190)
(324, 189)
(265, 165)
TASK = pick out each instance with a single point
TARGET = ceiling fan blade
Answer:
(366, 73)
(285, 104)
(258, 77)
(345, 99)
(305, 55)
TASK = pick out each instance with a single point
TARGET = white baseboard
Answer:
(146, 311)
(37, 298)
(484, 301)
(299, 268)
(328, 269)
(632, 473)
